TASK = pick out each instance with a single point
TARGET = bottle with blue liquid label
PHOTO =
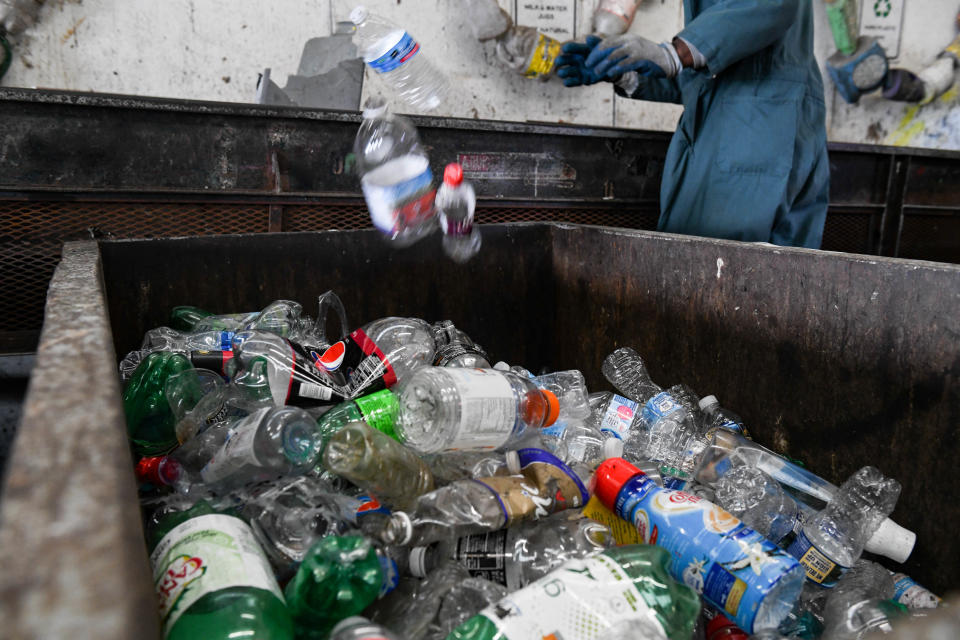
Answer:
(733, 567)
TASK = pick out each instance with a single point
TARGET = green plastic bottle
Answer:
(379, 410)
(594, 598)
(185, 318)
(150, 421)
(338, 578)
(213, 579)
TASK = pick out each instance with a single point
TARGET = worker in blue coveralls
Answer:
(749, 158)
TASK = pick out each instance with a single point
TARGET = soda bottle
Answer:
(590, 598)
(613, 17)
(733, 567)
(517, 556)
(151, 423)
(378, 355)
(543, 486)
(359, 628)
(377, 463)
(339, 577)
(456, 349)
(269, 443)
(212, 578)
(455, 204)
(831, 541)
(444, 409)
(397, 59)
(379, 410)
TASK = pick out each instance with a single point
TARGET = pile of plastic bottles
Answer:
(389, 483)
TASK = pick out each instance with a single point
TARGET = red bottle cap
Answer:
(148, 470)
(721, 628)
(610, 477)
(453, 174)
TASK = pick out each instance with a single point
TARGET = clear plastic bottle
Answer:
(590, 597)
(270, 443)
(466, 599)
(760, 502)
(706, 542)
(379, 410)
(544, 485)
(444, 409)
(832, 540)
(613, 17)
(456, 349)
(860, 603)
(517, 556)
(913, 595)
(395, 175)
(378, 355)
(528, 52)
(397, 58)
(455, 203)
(359, 628)
(486, 18)
(377, 463)
(717, 417)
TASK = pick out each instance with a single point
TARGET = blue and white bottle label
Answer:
(618, 417)
(658, 407)
(405, 49)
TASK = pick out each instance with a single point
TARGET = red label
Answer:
(369, 347)
(625, 412)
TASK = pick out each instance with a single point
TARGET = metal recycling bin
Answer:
(838, 360)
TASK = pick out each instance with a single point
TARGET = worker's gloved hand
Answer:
(570, 64)
(617, 55)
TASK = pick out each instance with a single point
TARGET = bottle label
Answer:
(582, 600)
(623, 9)
(214, 360)
(397, 205)
(391, 575)
(546, 486)
(659, 407)
(912, 595)
(731, 565)
(818, 565)
(543, 58)
(206, 554)
(379, 410)
(359, 366)
(301, 383)
(404, 50)
(488, 556)
(237, 451)
(618, 417)
(488, 408)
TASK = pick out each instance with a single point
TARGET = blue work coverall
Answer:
(749, 158)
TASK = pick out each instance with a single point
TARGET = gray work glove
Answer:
(618, 55)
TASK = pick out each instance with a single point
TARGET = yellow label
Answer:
(818, 566)
(954, 47)
(623, 531)
(733, 598)
(543, 57)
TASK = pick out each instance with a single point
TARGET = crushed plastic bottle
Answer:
(455, 204)
(760, 502)
(444, 409)
(395, 175)
(861, 603)
(456, 349)
(396, 57)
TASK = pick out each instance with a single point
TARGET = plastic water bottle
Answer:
(832, 540)
(486, 18)
(455, 204)
(760, 502)
(377, 463)
(622, 589)
(397, 58)
(270, 443)
(444, 409)
(613, 17)
(540, 484)
(860, 603)
(456, 349)
(913, 595)
(359, 628)
(212, 578)
(394, 174)
(716, 417)
(527, 51)
(732, 566)
(378, 355)
(517, 556)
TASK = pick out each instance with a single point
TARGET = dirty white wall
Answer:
(214, 50)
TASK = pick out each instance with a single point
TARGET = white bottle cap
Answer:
(513, 463)
(359, 14)
(404, 519)
(892, 540)
(612, 448)
(418, 556)
(706, 401)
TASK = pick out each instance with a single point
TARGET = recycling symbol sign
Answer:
(882, 8)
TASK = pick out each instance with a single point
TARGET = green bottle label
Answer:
(582, 600)
(380, 410)
(206, 554)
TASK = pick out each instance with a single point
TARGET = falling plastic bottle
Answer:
(455, 203)
(614, 17)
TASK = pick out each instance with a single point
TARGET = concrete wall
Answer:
(214, 50)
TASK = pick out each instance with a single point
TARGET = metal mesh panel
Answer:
(31, 234)
(930, 237)
(851, 232)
